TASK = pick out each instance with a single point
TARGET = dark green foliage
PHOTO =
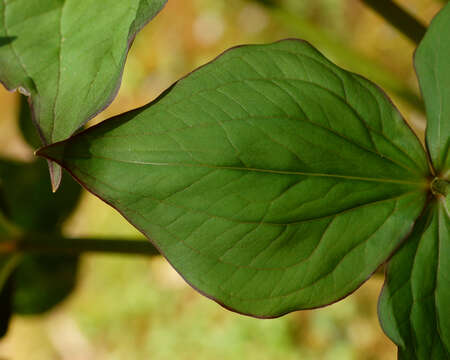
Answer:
(27, 198)
(43, 281)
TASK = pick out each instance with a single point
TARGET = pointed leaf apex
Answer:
(54, 154)
(55, 175)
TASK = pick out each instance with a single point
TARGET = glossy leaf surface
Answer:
(414, 305)
(271, 179)
(433, 70)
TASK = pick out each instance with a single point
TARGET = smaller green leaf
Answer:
(414, 307)
(68, 56)
(40, 282)
(27, 199)
(433, 71)
(43, 281)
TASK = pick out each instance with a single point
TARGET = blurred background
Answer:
(132, 307)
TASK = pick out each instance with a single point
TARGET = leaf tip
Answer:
(55, 175)
(54, 155)
(54, 152)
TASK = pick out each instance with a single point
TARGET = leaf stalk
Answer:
(440, 187)
(398, 17)
(51, 244)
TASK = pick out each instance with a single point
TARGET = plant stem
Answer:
(440, 187)
(399, 18)
(49, 244)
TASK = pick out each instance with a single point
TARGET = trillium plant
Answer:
(271, 179)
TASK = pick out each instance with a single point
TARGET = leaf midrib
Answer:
(266, 117)
(423, 184)
(103, 197)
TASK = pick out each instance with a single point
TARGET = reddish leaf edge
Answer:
(48, 152)
(428, 204)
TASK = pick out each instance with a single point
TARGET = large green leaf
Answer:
(414, 306)
(68, 55)
(433, 70)
(271, 179)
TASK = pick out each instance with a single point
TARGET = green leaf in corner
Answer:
(8, 263)
(27, 201)
(68, 56)
(35, 283)
(42, 282)
(414, 305)
(433, 70)
(271, 179)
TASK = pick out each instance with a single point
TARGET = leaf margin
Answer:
(46, 152)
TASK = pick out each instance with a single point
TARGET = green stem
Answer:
(399, 18)
(440, 187)
(48, 244)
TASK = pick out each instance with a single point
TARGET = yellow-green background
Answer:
(137, 308)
